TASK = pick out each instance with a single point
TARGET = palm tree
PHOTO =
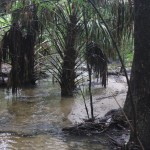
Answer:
(70, 43)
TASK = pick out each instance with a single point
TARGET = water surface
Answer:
(34, 121)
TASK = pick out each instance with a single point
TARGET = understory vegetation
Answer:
(60, 33)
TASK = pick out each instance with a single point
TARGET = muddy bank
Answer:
(108, 123)
(103, 99)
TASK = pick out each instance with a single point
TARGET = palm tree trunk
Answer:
(68, 67)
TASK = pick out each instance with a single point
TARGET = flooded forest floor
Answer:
(35, 118)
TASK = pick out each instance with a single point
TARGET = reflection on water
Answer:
(46, 142)
(66, 107)
(34, 121)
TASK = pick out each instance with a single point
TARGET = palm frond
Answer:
(97, 61)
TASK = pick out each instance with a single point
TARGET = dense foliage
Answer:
(58, 32)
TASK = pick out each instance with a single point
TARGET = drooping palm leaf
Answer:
(18, 46)
(97, 61)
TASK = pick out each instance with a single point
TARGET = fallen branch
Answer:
(114, 119)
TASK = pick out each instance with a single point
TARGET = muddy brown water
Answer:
(34, 121)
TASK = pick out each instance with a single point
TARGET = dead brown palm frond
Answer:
(97, 61)
(18, 47)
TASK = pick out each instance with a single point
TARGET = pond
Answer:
(34, 121)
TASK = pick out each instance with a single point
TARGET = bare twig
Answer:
(84, 103)
(123, 66)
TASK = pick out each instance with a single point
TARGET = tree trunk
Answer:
(68, 74)
(140, 74)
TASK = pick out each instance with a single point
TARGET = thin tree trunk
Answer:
(90, 91)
